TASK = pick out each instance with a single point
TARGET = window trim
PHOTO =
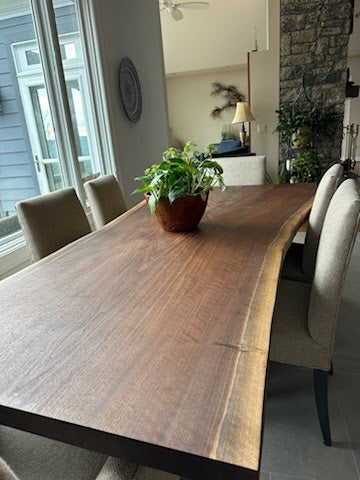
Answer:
(14, 254)
(19, 49)
(49, 47)
(13, 249)
(33, 79)
(89, 36)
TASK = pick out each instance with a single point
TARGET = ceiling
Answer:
(217, 37)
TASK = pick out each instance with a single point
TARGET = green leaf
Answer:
(203, 195)
(152, 204)
(177, 193)
(144, 189)
(181, 173)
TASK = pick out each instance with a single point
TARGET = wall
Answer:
(132, 28)
(190, 104)
(264, 92)
(354, 64)
(354, 44)
(217, 37)
(314, 41)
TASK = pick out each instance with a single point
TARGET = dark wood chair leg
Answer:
(331, 371)
(321, 399)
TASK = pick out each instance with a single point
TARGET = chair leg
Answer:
(331, 371)
(321, 399)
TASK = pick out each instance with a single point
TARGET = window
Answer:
(38, 113)
(48, 129)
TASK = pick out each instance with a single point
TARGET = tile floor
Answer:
(293, 448)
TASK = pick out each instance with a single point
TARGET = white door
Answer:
(38, 115)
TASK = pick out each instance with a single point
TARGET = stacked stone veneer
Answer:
(314, 37)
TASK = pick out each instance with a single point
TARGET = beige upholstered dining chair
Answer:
(51, 221)
(121, 469)
(299, 263)
(106, 199)
(25, 456)
(243, 170)
(305, 315)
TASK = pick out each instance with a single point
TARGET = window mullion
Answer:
(47, 37)
(91, 53)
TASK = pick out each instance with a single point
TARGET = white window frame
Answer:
(32, 75)
(12, 247)
(19, 50)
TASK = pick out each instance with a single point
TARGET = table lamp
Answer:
(243, 114)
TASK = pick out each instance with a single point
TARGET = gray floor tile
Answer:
(292, 438)
(264, 476)
(348, 391)
(277, 476)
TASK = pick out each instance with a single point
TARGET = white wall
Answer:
(352, 105)
(264, 92)
(132, 28)
(354, 64)
(354, 44)
(220, 36)
(190, 104)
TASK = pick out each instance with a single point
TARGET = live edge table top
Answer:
(151, 345)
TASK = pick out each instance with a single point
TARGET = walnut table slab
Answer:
(151, 345)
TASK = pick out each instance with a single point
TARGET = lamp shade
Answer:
(243, 113)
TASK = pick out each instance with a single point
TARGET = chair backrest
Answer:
(5, 471)
(324, 193)
(106, 199)
(335, 247)
(51, 221)
(243, 170)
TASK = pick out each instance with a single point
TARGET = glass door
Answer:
(38, 113)
(88, 167)
(43, 141)
(46, 155)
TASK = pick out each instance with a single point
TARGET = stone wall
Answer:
(314, 37)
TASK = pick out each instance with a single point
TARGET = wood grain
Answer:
(137, 342)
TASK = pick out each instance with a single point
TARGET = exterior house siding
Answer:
(18, 179)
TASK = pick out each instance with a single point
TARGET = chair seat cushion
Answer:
(292, 266)
(32, 457)
(290, 339)
(120, 469)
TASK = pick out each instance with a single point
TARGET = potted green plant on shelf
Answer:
(301, 125)
(177, 189)
(305, 167)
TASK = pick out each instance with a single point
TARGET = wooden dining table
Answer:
(154, 346)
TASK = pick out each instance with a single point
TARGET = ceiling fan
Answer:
(174, 8)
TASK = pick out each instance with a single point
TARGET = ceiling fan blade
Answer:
(194, 5)
(176, 14)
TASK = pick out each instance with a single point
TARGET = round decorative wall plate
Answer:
(130, 90)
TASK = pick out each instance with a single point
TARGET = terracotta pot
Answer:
(183, 215)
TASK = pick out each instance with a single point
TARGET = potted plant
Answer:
(305, 167)
(299, 124)
(177, 189)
